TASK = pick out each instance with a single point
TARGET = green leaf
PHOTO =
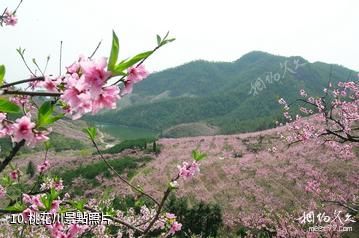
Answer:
(2, 74)
(45, 199)
(6, 181)
(168, 32)
(46, 109)
(114, 52)
(53, 194)
(130, 62)
(45, 115)
(17, 207)
(197, 155)
(52, 119)
(167, 41)
(79, 205)
(91, 132)
(158, 40)
(9, 107)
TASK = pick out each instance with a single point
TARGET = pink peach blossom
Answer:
(107, 99)
(175, 227)
(22, 129)
(10, 19)
(43, 167)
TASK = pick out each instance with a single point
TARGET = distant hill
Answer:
(228, 97)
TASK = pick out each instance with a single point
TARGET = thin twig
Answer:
(17, 7)
(37, 66)
(60, 57)
(23, 59)
(121, 178)
(47, 63)
(97, 47)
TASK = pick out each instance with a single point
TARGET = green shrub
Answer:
(129, 144)
(30, 169)
(90, 171)
(61, 143)
(201, 219)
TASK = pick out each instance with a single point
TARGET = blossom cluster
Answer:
(332, 118)
(83, 89)
(22, 129)
(9, 18)
(84, 86)
(35, 204)
(73, 230)
(166, 223)
(43, 167)
(49, 183)
(174, 225)
(188, 170)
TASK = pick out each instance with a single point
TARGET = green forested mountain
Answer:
(226, 97)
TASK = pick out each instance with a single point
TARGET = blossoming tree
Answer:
(331, 121)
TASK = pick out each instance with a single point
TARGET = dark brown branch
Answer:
(12, 154)
(22, 81)
(2, 16)
(17, 6)
(348, 138)
(159, 209)
(43, 94)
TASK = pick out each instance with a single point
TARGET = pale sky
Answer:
(320, 30)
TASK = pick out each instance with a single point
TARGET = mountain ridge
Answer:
(238, 96)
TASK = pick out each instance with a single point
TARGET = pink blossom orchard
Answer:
(88, 86)
(333, 123)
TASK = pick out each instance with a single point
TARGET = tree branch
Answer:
(43, 94)
(97, 47)
(22, 81)
(12, 154)
(159, 209)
